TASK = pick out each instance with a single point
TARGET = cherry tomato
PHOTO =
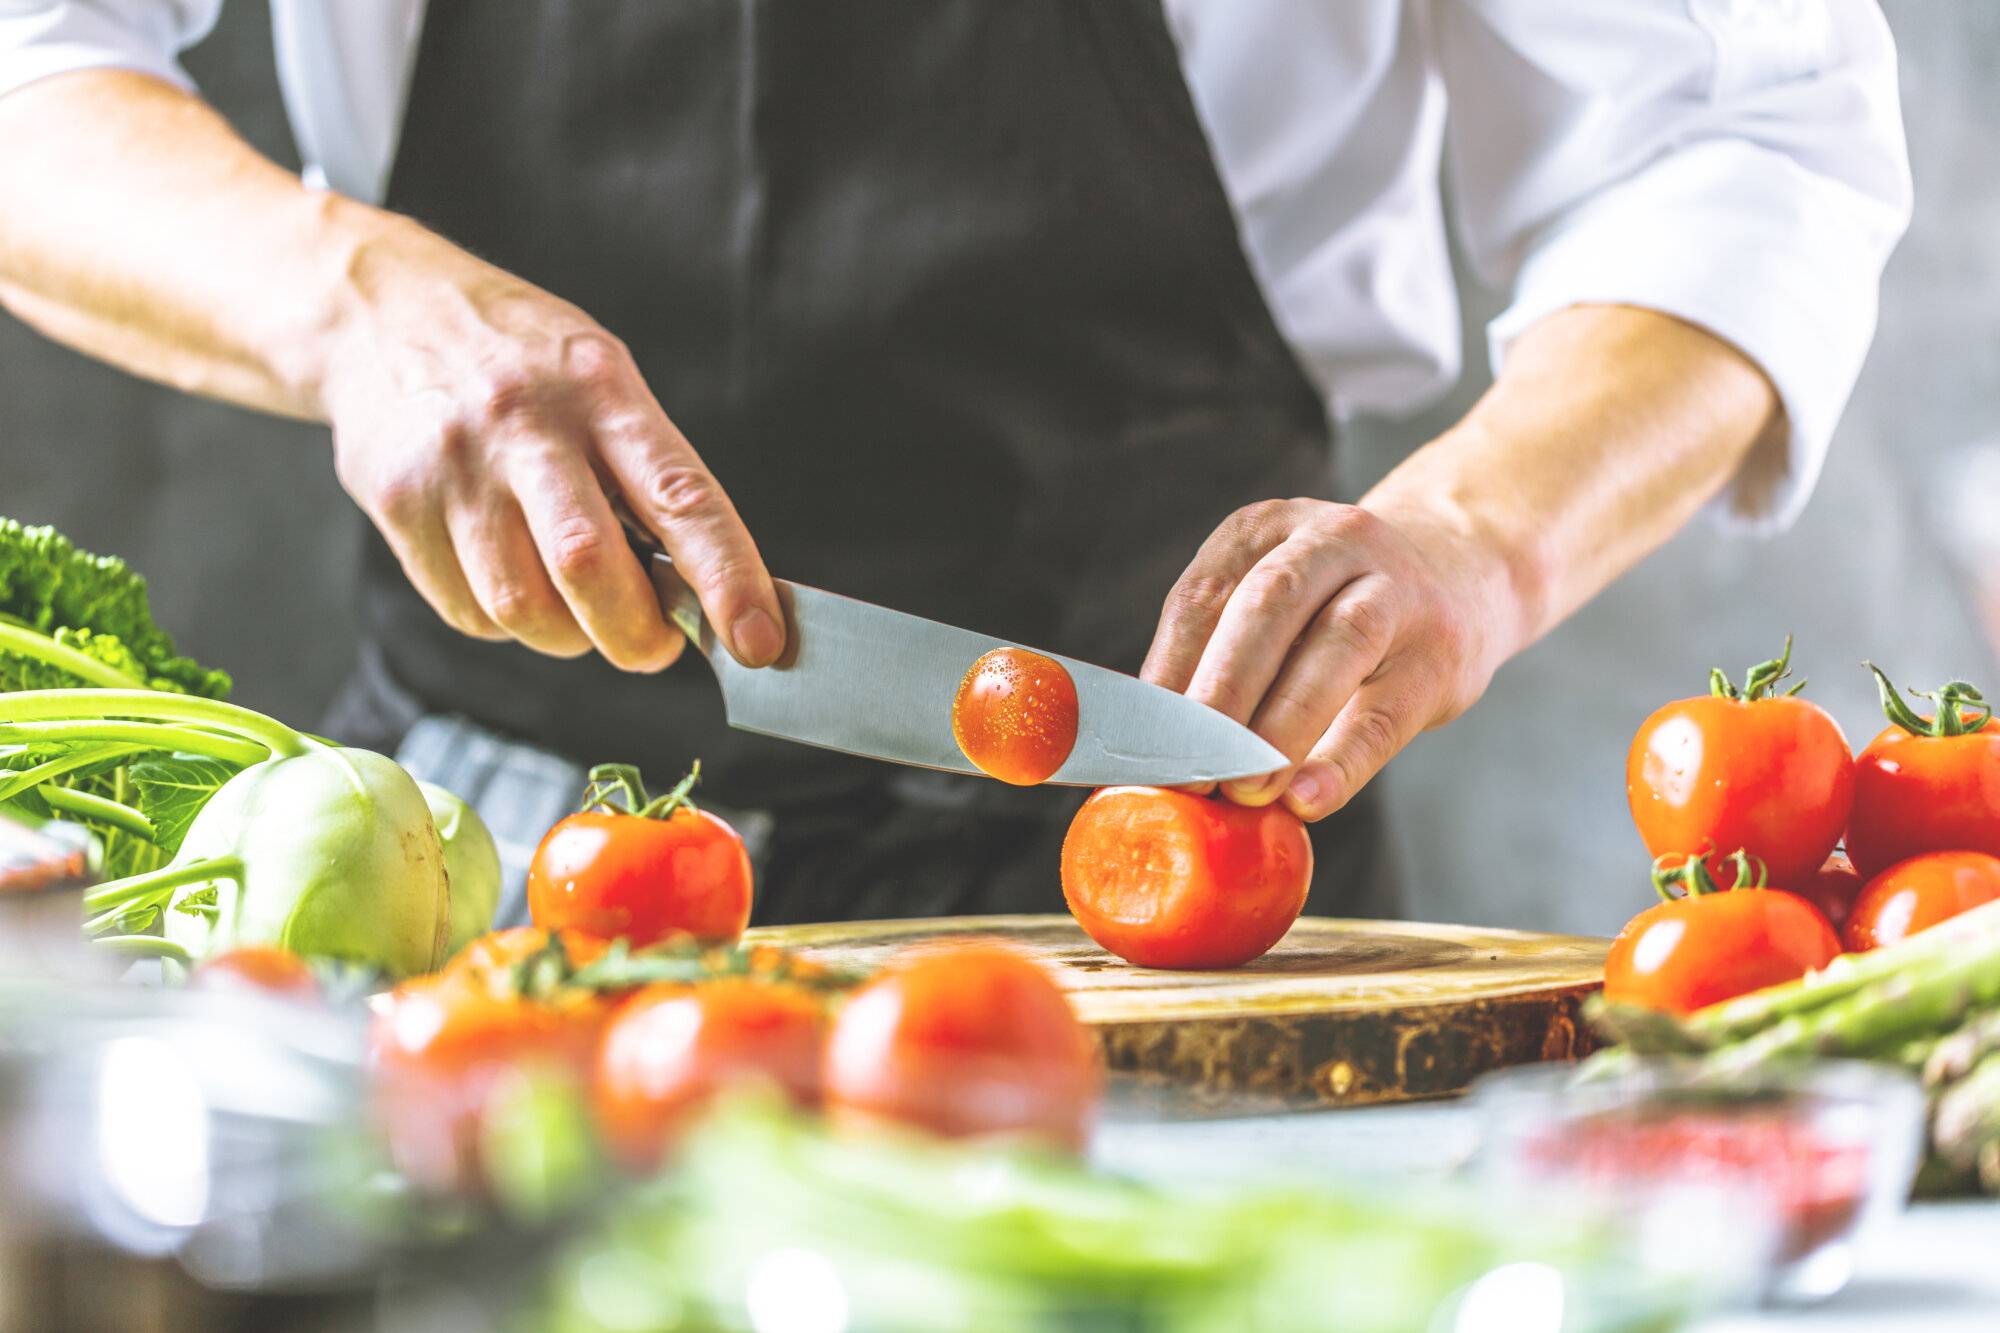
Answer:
(258, 967)
(642, 871)
(439, 1046)
(1713, 945)
(671, 1047)
(1167, 879)
(1015, 715)
(1741, 768)
(1916, 894)
(1833, 889)
(1923, 786)
(964, 1040)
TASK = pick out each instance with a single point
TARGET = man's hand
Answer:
(1337, 635)
(1338, 632)
(480, 423)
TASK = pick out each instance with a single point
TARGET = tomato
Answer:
(1167, 879)
(1742, 768)
(1833, 889)
(1713, 945)
(1015, 715)
(643, 870)
(671, 1047)
(1916, 894)
(258, 967)
(964, 1040)
(1925, 785)
(498, 950)
(440, 1046)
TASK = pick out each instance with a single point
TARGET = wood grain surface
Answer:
(1340, 1013)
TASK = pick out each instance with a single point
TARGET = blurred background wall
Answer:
(1515, 815)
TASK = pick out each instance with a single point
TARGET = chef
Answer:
(1034, 316)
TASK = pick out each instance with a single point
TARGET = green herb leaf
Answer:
(202, 902)
(170, 790)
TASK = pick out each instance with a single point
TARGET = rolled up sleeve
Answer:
(39, 38)
(1738, 164)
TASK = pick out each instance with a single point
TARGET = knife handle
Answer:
(677, 599)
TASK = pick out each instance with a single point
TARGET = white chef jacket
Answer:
(1737, 163)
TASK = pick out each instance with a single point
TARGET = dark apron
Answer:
(948, 295)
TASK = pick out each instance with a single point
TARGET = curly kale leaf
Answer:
(49, 585)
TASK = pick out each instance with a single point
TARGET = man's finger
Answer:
(1195, 603)
(505, 571)
(1343, 646)
(422, 544)
(673, 493)
(1378, 720)
(1270, 609)
(588, 559)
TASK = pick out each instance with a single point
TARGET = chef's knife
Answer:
(871, 681)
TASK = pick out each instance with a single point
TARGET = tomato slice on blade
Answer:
(1015, 716)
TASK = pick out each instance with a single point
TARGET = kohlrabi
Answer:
(322, 850)
(473, 862)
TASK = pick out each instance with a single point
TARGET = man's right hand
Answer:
(480, 423)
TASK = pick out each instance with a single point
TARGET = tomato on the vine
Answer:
(1917, 893)
(1927, 784)
(1770, 773)
(262, 968)
(1014, 715)
(1683, 954)
(639, 868)
(440, 1045)
(670, 1048)
(1168, 879)
(964, 1040)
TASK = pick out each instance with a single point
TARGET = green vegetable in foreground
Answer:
(326, 851)
(901, 1232)
(472, 860)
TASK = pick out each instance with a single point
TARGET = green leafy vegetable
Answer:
(170, 790)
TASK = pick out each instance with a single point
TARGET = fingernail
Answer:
(755, 636)
(1256, 791)
(1307, 788)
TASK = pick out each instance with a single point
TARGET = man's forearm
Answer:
(1608, 428)
(138, 227)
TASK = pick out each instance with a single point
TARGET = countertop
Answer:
(1934, 1269)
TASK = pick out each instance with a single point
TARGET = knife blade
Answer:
(870, 681)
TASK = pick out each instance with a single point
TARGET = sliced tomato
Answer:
(1168, 879)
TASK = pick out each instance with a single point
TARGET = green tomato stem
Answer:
(1953, 698)
(142, 735)
(155, 885)
(1760, 680)
(42, 648)
(185, 709)
(50, 769)
(89, 805)
(145, 946)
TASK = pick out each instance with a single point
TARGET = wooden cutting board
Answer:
(1341, 1013)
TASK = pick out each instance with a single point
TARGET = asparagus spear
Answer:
(1965, 1131)
(1970, 940)
(1954, 1056)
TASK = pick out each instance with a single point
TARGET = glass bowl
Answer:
(1803, 1158)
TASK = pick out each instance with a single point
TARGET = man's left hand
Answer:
(1336, 634)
